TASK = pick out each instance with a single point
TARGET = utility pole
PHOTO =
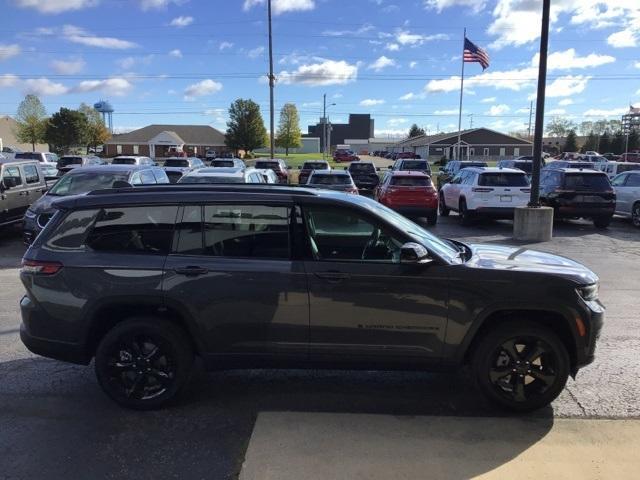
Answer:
(271, 84)
(470, 120)
(530, 115)
(324, 126)
(539, 127)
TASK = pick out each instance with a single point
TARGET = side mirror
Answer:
(414, 254)
(390, 167)
(378, 169)
(345, 168)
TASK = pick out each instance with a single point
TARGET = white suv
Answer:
(492, 192)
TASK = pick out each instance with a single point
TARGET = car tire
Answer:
(635, 214)
(466, 218)
(601, 222)
(432, 218)
(444, 211)
(144, 362)
(522, 386)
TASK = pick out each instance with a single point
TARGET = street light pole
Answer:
(324, 126)
(542, 79)
(271, 84)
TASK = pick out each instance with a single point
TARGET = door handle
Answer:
(191, 271)
(333, 277)
(23, 193)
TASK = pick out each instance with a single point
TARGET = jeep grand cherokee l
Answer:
(294, 277)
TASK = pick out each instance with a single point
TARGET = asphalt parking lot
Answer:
(56, 423)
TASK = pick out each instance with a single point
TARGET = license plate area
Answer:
(506, 198)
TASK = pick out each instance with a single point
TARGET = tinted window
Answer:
(524, 166)
(581, 181)
(222, 163)
(161, 175)
(174, 176)
(411, 182)
(251, 231)
(271, 165)
(124, 161)
(320, 179)
(12, 172)
(315, 166)
(619, 180)
(176, 162)
(31, 174)
(339, 235)
(503, 180)
(71, 232)
(414, 165)
(210, 179)
(189, 231)
(65, 161)
(362, 168)
(27, 156)
(626, 167)
(74, 184)
(633, 180)
(134, 230)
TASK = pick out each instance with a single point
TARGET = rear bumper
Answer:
(415, 211)
(586, 212)
(494, 212)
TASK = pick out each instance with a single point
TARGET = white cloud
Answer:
(158, 4)
(498, 109)
(565, 101)
(43, 87)
(255, 52)
(282, 6)
(68, 67)
(8, 80)
(475, 5)
(391, 133)
(311, 104)
(339, 33)
(623, 38)
(56, 6)
(78, 35)
(200, 89)
(127, 63)
(175, 53)
(556, 111)
(181, 21)
(8, 51)
(338, 95)
(116, 86)
(614, 112)
(509, 80)
(451, 111)
(218, 114)
(568, 60)
(413, 64)
(566, 86)
(394, 122)
(488, 100)
(392, 47)
(225, 45)
(381, 63)
(406, 38)
(370, 102)
(328, 72)
(408, 96)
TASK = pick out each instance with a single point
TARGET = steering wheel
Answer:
(371, 243)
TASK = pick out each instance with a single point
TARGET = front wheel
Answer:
(635, 215)
(521, 366)
(144, 362)
(466, 217)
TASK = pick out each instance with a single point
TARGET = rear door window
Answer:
(633, 180)
(146, 229)
(31, 174)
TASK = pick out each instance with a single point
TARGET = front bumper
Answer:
(593, 317)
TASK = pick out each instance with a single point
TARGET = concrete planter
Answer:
(533, 224)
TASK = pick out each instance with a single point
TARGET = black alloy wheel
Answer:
(521, 369)
(465, 215)
(635, 215)
(444, 211)
(143, 363)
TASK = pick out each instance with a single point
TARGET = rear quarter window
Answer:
(71, 232)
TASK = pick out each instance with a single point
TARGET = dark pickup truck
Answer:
(364, 175)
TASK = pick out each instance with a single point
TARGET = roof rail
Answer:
(207, 187)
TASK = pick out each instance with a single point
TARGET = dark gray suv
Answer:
(143, 280)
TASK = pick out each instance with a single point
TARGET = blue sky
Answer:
(185, 61)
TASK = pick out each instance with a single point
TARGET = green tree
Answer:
(97, 133)
(415, 131)
(559, 127)
(245, 128)
(65, 129)
(618, 142)
(31, 118)
(288, 134)
(605, 143)
(591, 143)
(570, 144)
(634, 141)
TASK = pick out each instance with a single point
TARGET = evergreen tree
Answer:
(31, 118)
(618, 142)
(605, 143)
(570, 144)
(288, 134)
(634, 141)
(97, 133)
(415, 131)
(245, 128)
(65, 129)
(591, 143)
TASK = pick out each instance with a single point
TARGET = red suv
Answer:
(278, 166)
(342, 155)
(411, 193)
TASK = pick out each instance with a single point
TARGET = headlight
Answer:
(588, 292)
(30, 214)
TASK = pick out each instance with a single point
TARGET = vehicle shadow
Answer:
(11, 247)
(51, 411)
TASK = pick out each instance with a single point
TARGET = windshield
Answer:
(176, 162)
(411, 182)
(625, 167)
(415, 165)
(222, 163)
(64, 161)
(586, 181)
(210, 179)
(315, 166)
(503, 179)
(124, 161)
(86, 182)
(321, 179)
(267, 165)
(362, 168)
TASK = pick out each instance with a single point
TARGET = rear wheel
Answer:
(444, 211)
(601, 222)
(144, 362)
(465, 215)
(635, 215)
(521, 366)
(432, 218)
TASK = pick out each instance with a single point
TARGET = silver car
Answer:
(627, 187)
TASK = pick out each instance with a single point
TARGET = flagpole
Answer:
(464, 36)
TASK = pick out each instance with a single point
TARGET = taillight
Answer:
(481, 190)
(40, 268)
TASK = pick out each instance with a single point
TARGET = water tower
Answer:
(106, 109)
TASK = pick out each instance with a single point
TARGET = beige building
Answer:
(8, 138)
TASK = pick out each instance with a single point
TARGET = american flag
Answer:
(474, 54)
